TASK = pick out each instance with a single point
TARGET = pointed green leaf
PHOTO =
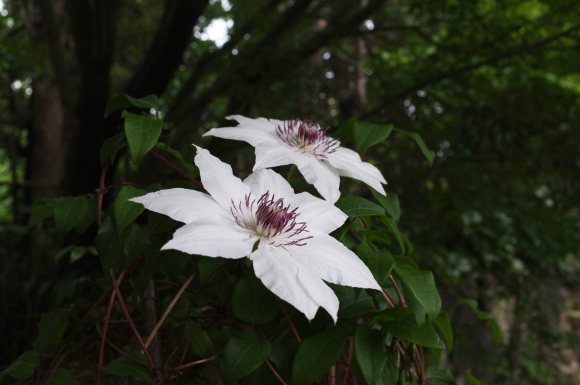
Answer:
(417, 138)
(444, 324)
(198, 339)
(70, 212)
(242, 355)
(350, 304)
(253, 303)
(192, 170)
(441, 377)
(51, 329)
(317, 354)
(339, 233)
(471, 380)
(422, 285)
(364, 134)
(109, 246)
(142, 133)
(61, 377)
(24, 367)
(380, 263)
(41, 209)
(135, 242)
(392, 225)
(390, 374)
(111, 146)
(124, 366)
(370, 354)
(357, 206)
(390, 203)
(125, 210)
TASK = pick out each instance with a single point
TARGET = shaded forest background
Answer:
(492, 86)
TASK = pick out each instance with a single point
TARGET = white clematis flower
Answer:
(317, 155)
(295, 252)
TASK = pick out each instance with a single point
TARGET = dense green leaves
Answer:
(370, 354)
(253, 303)
(364, 134)
(357, 206)
(111, 146)
(69, 213)
(124, 367)
(23, 367)
(61, 377)
(390, 203)
(380, 263)
(422, 286)
(125, 210)
(317, 354)
(392, 226)
(401, 323)
(242, 355)
(51, 329)
(142, 133)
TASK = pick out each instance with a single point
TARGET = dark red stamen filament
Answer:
(307, 136)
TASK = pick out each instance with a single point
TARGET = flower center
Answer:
(308, 137)
(270, 220)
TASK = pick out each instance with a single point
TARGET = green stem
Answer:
(289, 176)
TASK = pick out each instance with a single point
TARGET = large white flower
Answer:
(295, 252)
(317, 155)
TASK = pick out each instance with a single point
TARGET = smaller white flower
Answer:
(317, 155)
(295, 252)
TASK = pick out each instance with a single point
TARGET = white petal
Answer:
(266, 180)
(267, 125)
(181, 204)
(323, 176)
(349, 164)
(212, 240)
(218, 179)
(274, 155)
(292, 282)
(332, 261)
(318, 214)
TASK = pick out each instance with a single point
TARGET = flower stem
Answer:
(289, 176)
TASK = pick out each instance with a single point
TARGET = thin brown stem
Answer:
(100, 194)
(180, 171)
(275, 372)
(193, 364)
(347, 369)
(289, 321)
(399, 294)
(356, 235)
(388, 298)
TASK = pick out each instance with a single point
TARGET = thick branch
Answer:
(166, 52)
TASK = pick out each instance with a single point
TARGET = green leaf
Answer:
(142, 133)
(413, 303)
(51, 329)
(253, 303)
(370, 354)
(441, 377)
(417, 138)
(198, 339)
(350, 304)
(242, 355)
(124, 366)
(422, 285)
(41, 209)
(71, 212)
(390, 374)
(76, 253)
(364, 134)
(109, 246)
(357, 206)
(401, 323)
(123, 101)
(339, 233)
(125, 210)
(380, 263)
(390, 203)
(111, 146)
(317, 354)
(135, 242)
(189, 168)
(61, 377)
(392, 225)
(444, 324)
(24, 367)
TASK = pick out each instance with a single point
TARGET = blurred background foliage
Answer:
(493, 87)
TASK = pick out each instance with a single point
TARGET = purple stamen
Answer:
(271, 220)
(308, 137)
